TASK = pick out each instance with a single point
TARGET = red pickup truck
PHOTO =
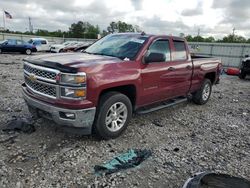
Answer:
(98, 90)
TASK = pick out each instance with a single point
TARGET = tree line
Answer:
(82, 29)
(231, 38)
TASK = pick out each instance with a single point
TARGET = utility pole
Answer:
(233, 33)
(30, 25)
(198, 33)
(4, 21)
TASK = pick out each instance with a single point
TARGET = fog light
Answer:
(67, 115)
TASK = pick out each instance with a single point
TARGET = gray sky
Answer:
(213, 17)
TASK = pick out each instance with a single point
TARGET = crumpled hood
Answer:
(75, 60)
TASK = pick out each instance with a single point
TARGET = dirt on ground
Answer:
(184, 140)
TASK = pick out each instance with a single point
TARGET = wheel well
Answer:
(211, 77)
(128, 90)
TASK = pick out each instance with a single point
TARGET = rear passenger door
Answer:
(180, 70)
(20, 46)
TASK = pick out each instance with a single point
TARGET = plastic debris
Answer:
(21, 125)
(130, 159)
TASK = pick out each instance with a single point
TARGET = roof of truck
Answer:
(150, 35)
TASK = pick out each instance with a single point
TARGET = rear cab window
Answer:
(180, 50)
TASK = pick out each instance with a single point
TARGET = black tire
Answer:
(242, 75)
(0, 50)
(28, 51)
(203, 94)
(108, 100)
(61, 51)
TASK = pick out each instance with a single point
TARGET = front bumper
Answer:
(55, 50)
(84, 118)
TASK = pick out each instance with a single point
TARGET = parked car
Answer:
(59, 47)
(82, 46)
(14, 45)
(75, 47)
(41, 44)
(245, 67)
(98, 90)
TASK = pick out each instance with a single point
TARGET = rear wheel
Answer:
(113, 114)
(203, 94)
(0, 50)
(28, 51)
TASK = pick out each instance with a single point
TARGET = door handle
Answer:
(171, 68)
(189, 67)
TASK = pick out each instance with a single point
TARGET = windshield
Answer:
(118, 45)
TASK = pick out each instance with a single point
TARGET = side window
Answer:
(37, 43)
(162, 47)
(180, 50)
(43, 42)
(12, 42)
(19, 42)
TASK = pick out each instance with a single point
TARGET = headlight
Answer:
(73, 93)
(73, 79)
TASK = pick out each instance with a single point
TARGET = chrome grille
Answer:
(42, 73)
(40, 88)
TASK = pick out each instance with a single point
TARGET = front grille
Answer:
(39, 72)
(43, 89)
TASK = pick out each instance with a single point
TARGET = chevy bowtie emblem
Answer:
(32, 77)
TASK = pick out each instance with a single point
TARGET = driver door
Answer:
(155, 74)
(10, 46)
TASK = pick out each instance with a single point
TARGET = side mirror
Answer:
(154, 57)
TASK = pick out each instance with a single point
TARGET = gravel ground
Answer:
(188, 139)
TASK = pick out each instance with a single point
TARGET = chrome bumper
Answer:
(83, 118)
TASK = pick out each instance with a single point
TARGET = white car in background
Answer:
(41, 44)
(57, 48)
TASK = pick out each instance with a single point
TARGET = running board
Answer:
(163, 105)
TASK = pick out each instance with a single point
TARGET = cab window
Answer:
(160, 46)
(180, 50)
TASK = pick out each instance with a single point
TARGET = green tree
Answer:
(189, 38)
(120, 27)
(209, 39)
(83, 30)
(233, 39)
(198, 39)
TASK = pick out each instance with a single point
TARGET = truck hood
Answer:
(72, 61)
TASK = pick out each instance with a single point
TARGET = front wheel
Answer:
(242, 75)
(28, 51)
(203, 94)
(113, 114)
